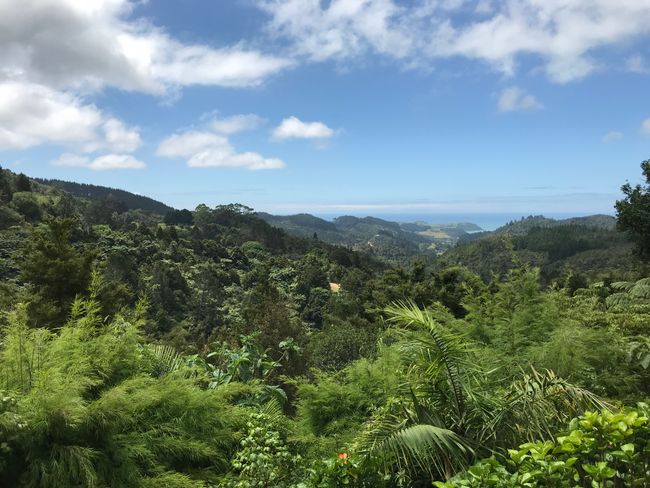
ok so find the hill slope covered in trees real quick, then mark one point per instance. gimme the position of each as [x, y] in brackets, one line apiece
[590, 248]
[393, 242]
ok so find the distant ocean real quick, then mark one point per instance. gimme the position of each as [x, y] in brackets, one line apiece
[483, 220]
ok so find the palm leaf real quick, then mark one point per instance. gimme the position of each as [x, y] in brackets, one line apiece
[535, 404]
[412, 448]
[166, 359]
[438, 347]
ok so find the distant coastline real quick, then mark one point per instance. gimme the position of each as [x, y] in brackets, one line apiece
[487, 221]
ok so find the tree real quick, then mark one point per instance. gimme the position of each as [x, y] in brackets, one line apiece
[179, 217]
[5, 187]
[23, 183]
[27, 205]
[102, 211]
[449, 411]
[56, 270]
[633, 213]
[91, 405]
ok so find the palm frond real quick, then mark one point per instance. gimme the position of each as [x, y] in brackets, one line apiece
[272, 410]
[389, 441]
[534, 405]
[165, 359]
[438, 347]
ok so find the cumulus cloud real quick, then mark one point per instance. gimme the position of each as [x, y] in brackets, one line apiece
[565, 35]
[236, 123]
[207, 149]
[57, 53]
[645, 127]
[514, 99]
[121, 138]
[95, 43]
[294, 128]
[101, 163]
[613, 136]
[32, 114]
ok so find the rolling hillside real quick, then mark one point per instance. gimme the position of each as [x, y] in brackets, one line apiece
[394, 242]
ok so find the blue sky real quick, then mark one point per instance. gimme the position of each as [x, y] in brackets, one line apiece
[332, 107]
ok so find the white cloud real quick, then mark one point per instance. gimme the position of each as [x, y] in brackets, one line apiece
[90, 44]
[613, 136]
[226, 157]
[294, 128]
[341, 29]
[101, 163]
[189, 143]
[68, 159]
[564, 35]
[236, 123]
[56, 53]
[121, 138]
[514, 99]
[207, 149]
[645, 127]
[32, 114]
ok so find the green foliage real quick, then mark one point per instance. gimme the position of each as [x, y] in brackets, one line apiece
[588, 248]
[27, 205]
[333, 368]
[344, 470]
[55, 269]
[633, 212]
[600, 449]
[82, 408]
[448, 410]
[179, 217]
[23, 183]
[264, 459]
[102, 193]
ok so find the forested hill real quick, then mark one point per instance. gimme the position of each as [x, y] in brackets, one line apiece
[95, 192]
[393, 242]
[589, 247]
[600, 221]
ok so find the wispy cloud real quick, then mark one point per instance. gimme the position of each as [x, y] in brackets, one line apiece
[514, 99]
[645, 127]
[101, 163]
[637, 64]
[564, 35]
[236, 123]
[613, 136]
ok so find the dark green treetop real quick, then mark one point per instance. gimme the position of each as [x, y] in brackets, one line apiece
[633, 212]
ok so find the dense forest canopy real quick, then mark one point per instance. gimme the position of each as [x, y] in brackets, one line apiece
[146, 346]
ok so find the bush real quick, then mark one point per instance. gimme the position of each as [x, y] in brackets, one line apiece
[600, 449]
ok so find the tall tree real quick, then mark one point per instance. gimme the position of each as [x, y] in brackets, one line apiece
[633, 213]
[5, 187]
[56, 270]
[23, 183]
